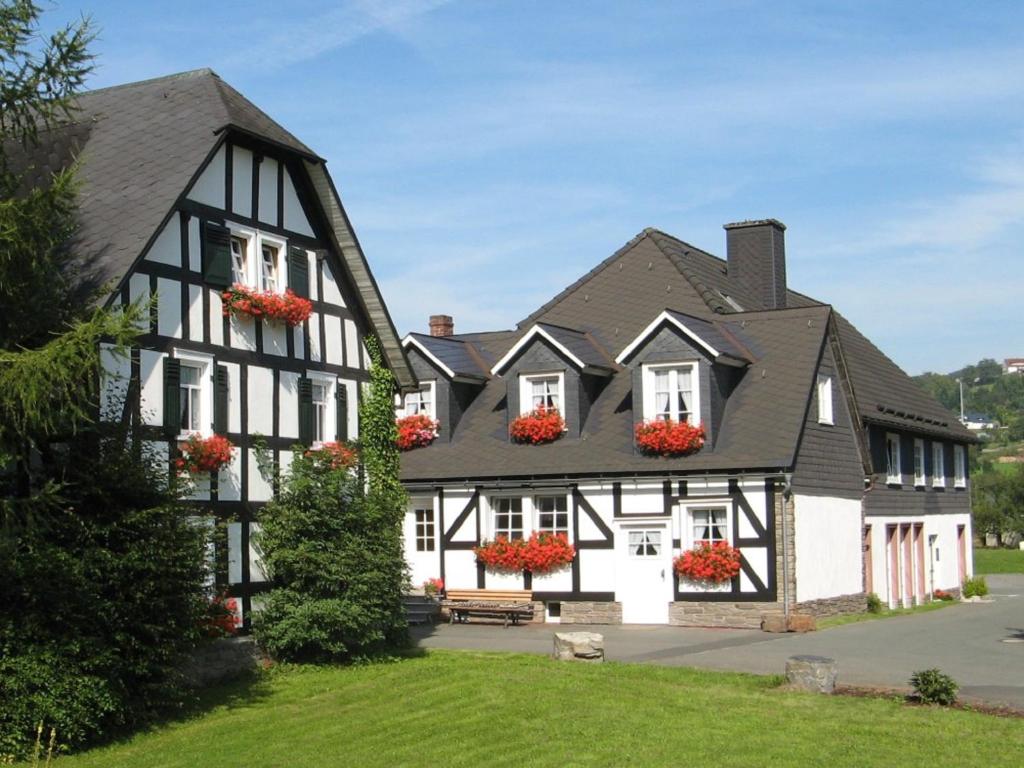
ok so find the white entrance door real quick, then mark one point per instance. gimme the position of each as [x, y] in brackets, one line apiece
[645, 573]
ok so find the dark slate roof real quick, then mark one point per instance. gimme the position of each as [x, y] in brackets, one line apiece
[615, 302]
[140, 146]
[460, 356]
[579, 344]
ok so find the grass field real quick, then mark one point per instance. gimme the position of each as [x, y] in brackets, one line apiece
[998, 561]
[474, 709]
[856, 618]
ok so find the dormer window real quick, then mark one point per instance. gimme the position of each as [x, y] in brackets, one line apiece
[544, 390]
[671, 392]
[422, 400]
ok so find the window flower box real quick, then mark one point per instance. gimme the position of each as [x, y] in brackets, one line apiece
[335, 455]
[712, 563]
[415, 431]
[284, 308]
[541, 553]
[433, 587]
[200, 454]
[539, 426]
[667, 437]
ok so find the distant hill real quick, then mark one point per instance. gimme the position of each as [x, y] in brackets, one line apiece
[987, 390]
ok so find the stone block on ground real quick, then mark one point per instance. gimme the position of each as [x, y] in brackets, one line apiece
[774, 622]
[801, 622]
[579, 646]
[816, 674]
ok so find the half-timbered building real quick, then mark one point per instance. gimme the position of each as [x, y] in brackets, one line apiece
[187, 188]
[823, 463]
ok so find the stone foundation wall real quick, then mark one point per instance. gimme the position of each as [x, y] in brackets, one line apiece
[843, 605]
[713, 614]
[591, 612]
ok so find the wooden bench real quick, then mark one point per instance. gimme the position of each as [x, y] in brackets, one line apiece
[507, 604]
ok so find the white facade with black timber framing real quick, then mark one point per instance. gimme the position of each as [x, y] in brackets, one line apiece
[790, 396]
[254, 206]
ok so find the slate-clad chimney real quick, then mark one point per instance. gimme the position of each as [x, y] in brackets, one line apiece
[441, 325]
[756, 252]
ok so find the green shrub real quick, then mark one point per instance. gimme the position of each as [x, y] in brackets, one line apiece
[934, 687]
[874, 603]
[975, 587]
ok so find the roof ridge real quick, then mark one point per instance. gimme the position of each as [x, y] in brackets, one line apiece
[176, 76]
[707, 294]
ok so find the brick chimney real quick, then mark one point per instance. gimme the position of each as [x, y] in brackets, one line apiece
[441, 325]
[756, 252]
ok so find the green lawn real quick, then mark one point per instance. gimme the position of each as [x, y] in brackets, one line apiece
[855, 618]
[998, 561]
[474, 709]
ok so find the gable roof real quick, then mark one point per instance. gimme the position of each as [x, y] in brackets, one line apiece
[458, 359]
[141, 145]
[577, 346]
[712, 336]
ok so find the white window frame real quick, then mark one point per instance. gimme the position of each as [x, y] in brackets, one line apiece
[429, 542]
[526, 389]
[959, 466]
[663, 541]
[281, 246]
[430, 387]
[205, 363]
[331, 410]
[687, 539]
[919, 471]
[536, 512]
[530, 511]
[938, 464]
[826, 414]
[254, 240]
[650, 404]
[892, 438]
[493, 512]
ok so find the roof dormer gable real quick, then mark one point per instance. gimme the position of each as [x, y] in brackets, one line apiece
[710, 338]
[577, 348]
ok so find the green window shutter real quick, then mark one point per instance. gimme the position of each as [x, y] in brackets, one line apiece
[220, 400]
[172, 396]
[305, 411]
[217, 255]
[341, 397]
[298, 271]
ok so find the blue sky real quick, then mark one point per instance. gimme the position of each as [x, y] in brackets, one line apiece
[490, 152]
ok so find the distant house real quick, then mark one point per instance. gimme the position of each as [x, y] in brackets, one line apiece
[186, 189]
[824, 463]
[1013, 364]
[977, 422]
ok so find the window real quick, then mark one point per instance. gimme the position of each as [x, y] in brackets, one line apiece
[269, 263]
[320, 404]
[892, 458]
[709, 525]
[239, 260]
[959, 467]
[938, 465]
[918, 462]
[645, 543]
[825, 400]
[508, 517]
[671, 392]
[541, 391]
[424, 530]
[552, 514]
[324, 407]
[191, 398]
[421, 401]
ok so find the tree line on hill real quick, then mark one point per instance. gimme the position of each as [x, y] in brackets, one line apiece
[987, 390]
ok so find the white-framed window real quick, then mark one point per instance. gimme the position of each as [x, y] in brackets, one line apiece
[645, 542]
[892, 458]
[422, 400]
[938, 465]
[825, 413]
[239, 259]
[671, 391]
[325, 421]
[257, 259]
[710, 524]
[551, 514]
[507, 517]
[959, 467]
[918, 461]
[542, 390]
[271, 274]
[195, 394]
[425, 529]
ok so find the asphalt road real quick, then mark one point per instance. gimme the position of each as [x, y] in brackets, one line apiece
[980, 644]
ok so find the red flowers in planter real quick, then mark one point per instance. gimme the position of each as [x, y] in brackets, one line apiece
[415, 431]
[337, 455]
[204, 454]
[287, 308]
[221, 619]
[667, 437]
[541, 425]
[541, 553]
[709, 562]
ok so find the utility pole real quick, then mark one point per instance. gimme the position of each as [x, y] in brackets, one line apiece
[961, 383]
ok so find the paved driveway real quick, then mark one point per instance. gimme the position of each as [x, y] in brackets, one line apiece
[980, 645]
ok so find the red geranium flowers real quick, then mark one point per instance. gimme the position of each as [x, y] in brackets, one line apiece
[709, 562]
[667, 437]
[415, 431]
[286, 308]
[541, 425]
[204, 454]
[335, 455]
[541, 553]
